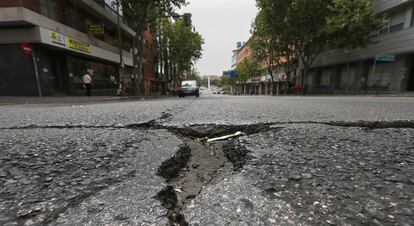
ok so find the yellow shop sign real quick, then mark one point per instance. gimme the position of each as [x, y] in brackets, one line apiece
[78, 45]
[57, 38]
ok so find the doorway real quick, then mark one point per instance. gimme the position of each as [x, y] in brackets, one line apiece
[59, 73]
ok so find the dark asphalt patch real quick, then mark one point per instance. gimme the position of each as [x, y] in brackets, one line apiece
[193, 167]
[172, 167]
[236, 153]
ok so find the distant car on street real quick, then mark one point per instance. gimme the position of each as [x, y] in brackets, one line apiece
[189, 88]
[218, 91]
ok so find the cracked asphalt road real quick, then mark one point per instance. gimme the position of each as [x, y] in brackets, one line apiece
[302, 161]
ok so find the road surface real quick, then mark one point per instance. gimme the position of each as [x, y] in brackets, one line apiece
[299, 161]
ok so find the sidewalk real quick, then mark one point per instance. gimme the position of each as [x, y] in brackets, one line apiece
[66, 100]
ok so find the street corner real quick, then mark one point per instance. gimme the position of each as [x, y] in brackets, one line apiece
[80, 175]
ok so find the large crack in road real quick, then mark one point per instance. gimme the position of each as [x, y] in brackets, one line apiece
[198, 163]
[195, 131]
[195, 166]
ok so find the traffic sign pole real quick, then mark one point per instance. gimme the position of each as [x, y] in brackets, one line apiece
[39, 89]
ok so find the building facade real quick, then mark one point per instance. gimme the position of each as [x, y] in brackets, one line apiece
[261, 84]
[244, 52]
[67, 38]
[386, 66]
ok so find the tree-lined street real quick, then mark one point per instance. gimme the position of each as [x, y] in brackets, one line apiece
[236, 112]
[301, 161]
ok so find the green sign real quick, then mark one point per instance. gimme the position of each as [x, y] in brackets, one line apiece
[385, 58]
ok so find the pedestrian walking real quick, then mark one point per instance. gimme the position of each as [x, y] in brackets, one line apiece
[87, 83]
[297, 89]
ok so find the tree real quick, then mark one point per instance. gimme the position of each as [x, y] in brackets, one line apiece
[313, 26]
[185, 47]
[227, 82]
[268, 47]
[140, 14]
[163, 34]
[179, 47]
[247, 69]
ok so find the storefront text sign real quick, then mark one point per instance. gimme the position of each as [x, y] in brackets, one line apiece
[78, 45]
[96, 29]
[385, 58]
[58, 38]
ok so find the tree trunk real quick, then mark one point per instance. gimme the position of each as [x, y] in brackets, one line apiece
[272, 86]
[277, 89]
[303, 82]
[288, 69]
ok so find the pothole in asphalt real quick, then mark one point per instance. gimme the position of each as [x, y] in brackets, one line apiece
[193, 167]
[198, 164]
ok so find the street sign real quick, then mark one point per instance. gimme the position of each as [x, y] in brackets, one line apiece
[385, 58]
[27, 49]
[96, 29]
[230, 74]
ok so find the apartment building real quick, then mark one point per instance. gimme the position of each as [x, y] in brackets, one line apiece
[46, 46]
[386, 66]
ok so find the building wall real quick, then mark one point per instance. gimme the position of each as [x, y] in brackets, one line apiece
[103, 49]
[244, 52]
[355, 68]
[384, 5]
[30, 4]
[234, 59]
[60, 67]
[399, 42]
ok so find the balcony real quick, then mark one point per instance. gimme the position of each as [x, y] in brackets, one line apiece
[384, 5]
[100, 9]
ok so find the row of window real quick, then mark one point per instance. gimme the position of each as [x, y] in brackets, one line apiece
[395, 23]
[72, 17]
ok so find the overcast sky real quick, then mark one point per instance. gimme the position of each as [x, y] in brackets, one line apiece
[222, 23]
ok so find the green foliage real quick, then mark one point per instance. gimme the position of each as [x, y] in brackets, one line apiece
[311, 26]
[144, 11]
[227, 81]
[248, 68]
[351, 23]
[179, 47]
[185, 45]
[140, 13]
[268, 47]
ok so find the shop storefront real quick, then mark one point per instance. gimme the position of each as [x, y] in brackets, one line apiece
[61, 61]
